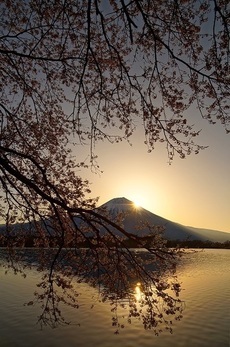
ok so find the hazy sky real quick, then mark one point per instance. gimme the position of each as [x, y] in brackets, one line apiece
[194, 191]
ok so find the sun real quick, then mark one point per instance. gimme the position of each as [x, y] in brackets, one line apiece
[137, 203]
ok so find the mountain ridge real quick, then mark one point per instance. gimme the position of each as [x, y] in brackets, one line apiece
[173, 230]
[133, 216]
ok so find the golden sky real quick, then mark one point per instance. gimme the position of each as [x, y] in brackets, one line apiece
[194, 191]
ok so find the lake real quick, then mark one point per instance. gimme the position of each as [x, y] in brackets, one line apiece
[205, 278]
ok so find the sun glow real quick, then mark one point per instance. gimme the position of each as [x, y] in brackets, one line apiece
[137, 203]
[139, 194]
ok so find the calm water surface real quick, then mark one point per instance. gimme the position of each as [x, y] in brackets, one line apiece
[205, 278]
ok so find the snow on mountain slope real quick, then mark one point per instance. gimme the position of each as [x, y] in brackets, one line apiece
[173, 231]
[134, 216]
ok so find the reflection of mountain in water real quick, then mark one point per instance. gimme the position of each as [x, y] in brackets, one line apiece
[173, 231]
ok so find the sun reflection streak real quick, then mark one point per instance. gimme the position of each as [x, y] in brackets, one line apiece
[138, 293]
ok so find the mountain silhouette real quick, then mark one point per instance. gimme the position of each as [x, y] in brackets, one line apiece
[134, 216]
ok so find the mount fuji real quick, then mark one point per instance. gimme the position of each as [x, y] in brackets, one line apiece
[172, 231]
[133, 216]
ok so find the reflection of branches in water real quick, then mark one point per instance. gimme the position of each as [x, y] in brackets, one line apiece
[154, 302]
[108, 265]
[157, 308]
[54, 291]
[114, 272]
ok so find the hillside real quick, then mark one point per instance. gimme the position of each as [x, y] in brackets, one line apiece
[173, 231]
[132, 217]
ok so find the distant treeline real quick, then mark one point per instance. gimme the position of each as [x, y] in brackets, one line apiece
[198, 244]
[30, 241]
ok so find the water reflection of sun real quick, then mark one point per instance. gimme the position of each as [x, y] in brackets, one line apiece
[138, 292]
